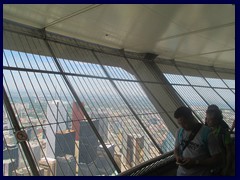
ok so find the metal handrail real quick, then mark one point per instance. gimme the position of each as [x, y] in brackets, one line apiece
[148, 166]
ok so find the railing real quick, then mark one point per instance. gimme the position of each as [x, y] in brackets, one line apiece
[158, 164]
[164, 165]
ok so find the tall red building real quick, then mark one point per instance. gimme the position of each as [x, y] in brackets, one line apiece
[77, 116]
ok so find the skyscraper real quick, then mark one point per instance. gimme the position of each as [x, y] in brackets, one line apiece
[77, 116]
[103, 162]
[49, 166]
[26, 171]
[139, 152]
[103, 124]
[118, 159]
[129, 152]
[57, 117]
[10, 140]
[117, 125]
[89, 169]
[8, 167]
[30, 133]
[133, 149]
[35, 151]
[65, 143]
[88, 142]
[4, 144]
[11, 153]
[66, 165]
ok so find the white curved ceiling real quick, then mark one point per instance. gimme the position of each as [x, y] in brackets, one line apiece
[196, 33]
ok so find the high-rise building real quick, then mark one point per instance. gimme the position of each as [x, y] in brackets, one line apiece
[66, 165]
[88, 142]
[11, 152]
[103, 124]
[65, 143]
[49, 166]
[4, 144]
[29, 132]
[89, 169]
[10, 139]
[118, 160]
[4, 113]
[103, 162]
[77, 116]
[57, 117]
[8, 167]
[133, 149]
[139, 149]
[116, 125]
[129, 150]
[7, 126]
[26, 171]
[35, 151]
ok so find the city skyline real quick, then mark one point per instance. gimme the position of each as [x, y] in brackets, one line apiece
[118, 105]
[50, 135]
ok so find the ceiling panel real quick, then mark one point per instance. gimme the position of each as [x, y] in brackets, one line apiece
[40, 15]
[194, 33]
[220, 59]
[190, 45]
[196, 16]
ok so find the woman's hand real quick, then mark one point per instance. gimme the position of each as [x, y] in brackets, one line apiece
[188, 163]
[179, 159]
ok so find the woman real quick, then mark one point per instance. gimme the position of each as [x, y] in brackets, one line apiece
[214, 119]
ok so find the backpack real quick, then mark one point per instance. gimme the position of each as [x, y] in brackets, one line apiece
[222, 137]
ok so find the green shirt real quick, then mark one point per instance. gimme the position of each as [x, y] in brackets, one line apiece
[223, 136]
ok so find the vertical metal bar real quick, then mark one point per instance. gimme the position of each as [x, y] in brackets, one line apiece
[17, 128]
[158, 74]
[81, 106]
[74, 71]
[87, 72]
[28, 92]
[196, 115]
[153, 67]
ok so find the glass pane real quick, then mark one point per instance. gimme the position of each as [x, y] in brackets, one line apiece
[175, 79]
[196, 81]
[216, 82]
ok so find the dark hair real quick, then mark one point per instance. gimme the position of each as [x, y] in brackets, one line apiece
[183, 112]
[217, 113]
[213, 107]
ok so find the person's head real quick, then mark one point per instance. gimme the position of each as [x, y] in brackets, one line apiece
[213, 107]
[210, 108]
[184, 117]
[213, 117]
